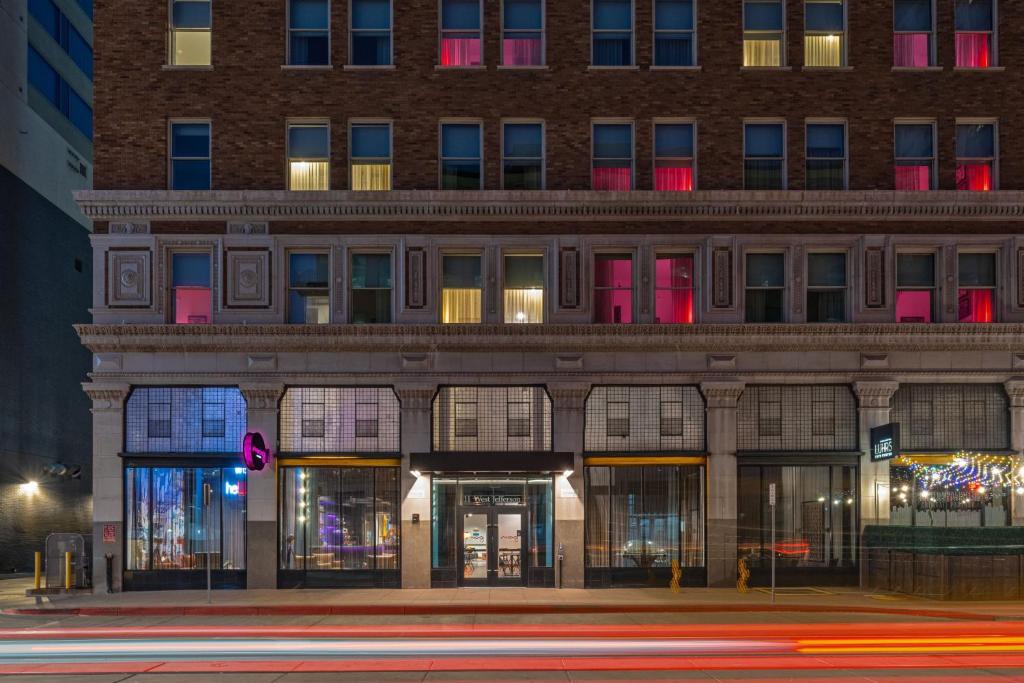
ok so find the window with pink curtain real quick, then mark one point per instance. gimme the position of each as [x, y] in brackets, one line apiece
[914, 150]
[976, 276]
[673, 179]
[460, 52]
[911, 49]
[460, 33]
[192, 305]
[974, 177]
[613, 288]
[673, 157]
[973, 50]
[521, 52]
[913, 26]
[975, 156]
[190, 282]
[914, 306]
[673, 293]
[613, 157]
[974, 25]
[913, 178]
[976, 305]
[915, 288]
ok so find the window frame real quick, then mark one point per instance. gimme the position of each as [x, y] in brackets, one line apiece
[633, 257]
[288, 30]
[325, 251]
[844, 47]
[932, 40]
[516, 252]
[351, 290]
[479, 123]
[632, 39]
[632, 148]
[785, 151]
[684, 121]
[543, 38]
[994, 288]
[171, 307]
[670, 252]
[846, 149]
[845, 289]
[479, 255]
[783, 33]
[935, 289]
[440, 39]
[353, 123]
[171, 38]
[543, 149]
[171, 122]
[934, 166]
[993, 40]
[694, 51]
[310, 123]
[993, 160]
[779, 251]
[352, 31]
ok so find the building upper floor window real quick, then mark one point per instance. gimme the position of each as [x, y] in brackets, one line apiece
[309, 33]
[612, 164]
[522, 39]
[461, 156]
[613, 288]
[915, 155]
[461, 34]
[524, 288]
[826, 156]
[913, 33]
[652, 419]
[45, 80]
[673, 289]
[184, 420]
[797, 417]
[191, 33]
[522, 148]
[492, 419]
[371, 288]
[63, 33]
[826, 288]
[977, 287]
[190, 287]
[674, 43]
[946, 418]
[766, 287]
[764, 156]
[825, 33]
[190, 155]
[764, 33]
[309, 288]
[975, 34]
[916, 295]
[612, 28]
[371, 26]
[309, 156]
[673, 157]
[976, 157]
[371, 156]
[462, 288]
[340, 420]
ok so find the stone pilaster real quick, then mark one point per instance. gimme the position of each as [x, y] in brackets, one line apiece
[108, 402]
[569, 403]
[720, 526]
[262, 401]
[415, 401]
[1015, 392]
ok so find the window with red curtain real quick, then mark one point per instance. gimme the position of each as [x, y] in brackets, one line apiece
[460, 33]
[975, 156]
[613, 288]
[915, 288]
[977, 282]
[913, 26]
[613, 157]
[974, 29]
[190, 273]
[915, 155]
[673, 289]
[522, 40]
[673, 157]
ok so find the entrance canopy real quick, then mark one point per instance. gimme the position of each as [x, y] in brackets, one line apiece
[480, 461]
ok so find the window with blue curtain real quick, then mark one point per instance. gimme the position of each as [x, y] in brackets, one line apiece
[674, 33]
[826, 156]
[461, 167]
[371, 32]
[190, 156]
[764, 155]
[308, 33]
[612, 33]
[523, 163]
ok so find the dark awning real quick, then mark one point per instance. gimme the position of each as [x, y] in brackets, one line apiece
[474, 461]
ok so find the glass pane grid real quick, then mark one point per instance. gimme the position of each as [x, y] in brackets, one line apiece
[185, 420]
[644, 419]
[950, 417]
[492, 419]
[340, 420]
[782, 418]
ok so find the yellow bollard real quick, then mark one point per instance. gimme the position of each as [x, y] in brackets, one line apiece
[677, 574]
[39, 570]
[742, 576]
[67, 570]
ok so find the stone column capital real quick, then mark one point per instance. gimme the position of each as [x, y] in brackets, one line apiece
[722, 394]
[105, 396]
[262, 396]
[1015, 391]
[568, 396]
[875, 394]
[416, 396]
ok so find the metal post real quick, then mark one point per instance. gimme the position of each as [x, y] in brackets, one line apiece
[67, 570]
[39, 570]
[207, 495]
[771, 504]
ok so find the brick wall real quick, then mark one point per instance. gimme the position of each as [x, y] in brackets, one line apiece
[248, 96]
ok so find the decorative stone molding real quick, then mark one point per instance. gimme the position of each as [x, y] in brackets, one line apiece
[247, 278]
[569, 278]
[721, 361]
[722, 394]
[875, 394]
[129, 278]
[874, 361]
[137, 228]
[415, 278]
[874, 277]
[240, 228]
[1020, 278]
[569, 361]
[415, 397]
[253, 207]
[1015, 391]
[568, 396]
[721, 277]
[262, 396]
[798, 281]
[106, 398]
[555, 338]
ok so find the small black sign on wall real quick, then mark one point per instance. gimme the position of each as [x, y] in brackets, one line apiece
[885, 442]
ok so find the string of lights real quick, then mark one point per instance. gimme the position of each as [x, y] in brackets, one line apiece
[967, 476]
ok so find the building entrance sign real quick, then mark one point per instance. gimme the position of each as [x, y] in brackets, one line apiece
[885, 442]
[255, 452]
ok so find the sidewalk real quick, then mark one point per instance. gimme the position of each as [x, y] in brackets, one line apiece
[468, 601]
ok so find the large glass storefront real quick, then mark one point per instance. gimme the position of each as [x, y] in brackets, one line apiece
[339, 527]
[641, 518]
[492, 531]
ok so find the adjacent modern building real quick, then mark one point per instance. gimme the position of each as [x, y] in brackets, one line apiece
[46, 71]
[556, 294]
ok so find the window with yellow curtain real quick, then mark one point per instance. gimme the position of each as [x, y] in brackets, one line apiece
[762, 33]
[371, 156]
[524, 288]
[461, 289]
[190, 33]
[824, 23]
[309, 151]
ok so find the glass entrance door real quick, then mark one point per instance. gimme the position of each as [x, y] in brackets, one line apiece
[492, 547]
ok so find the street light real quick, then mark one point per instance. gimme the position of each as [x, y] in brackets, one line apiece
[29, 488]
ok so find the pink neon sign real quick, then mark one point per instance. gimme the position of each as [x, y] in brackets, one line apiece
[255, 451]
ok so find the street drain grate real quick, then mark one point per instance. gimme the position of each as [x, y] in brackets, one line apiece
[794, 591]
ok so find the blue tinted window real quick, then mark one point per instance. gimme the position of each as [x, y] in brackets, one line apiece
[673, 140]
[43, 77]
[79, 51]
[191, 14]
[371, 270]
[613, 141]
[975, 140]
[371, 14]
[48, 16]
[825, 16]
[613, 15]
[308, 14]
[308, 270]
[191, 270]
[763, 140]
[523, 14]
[914, 141]
[673, 14]
[826, 140]
[190, 140]
[80, 113]
[460, 140]
[762, 16]
[86, 6]
[308, 142]
[460, 14]
[973, 15]
[371, 141]
[913, 15]
[523, 140]
[766, 270]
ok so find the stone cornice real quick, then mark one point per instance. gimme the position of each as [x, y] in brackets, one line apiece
[875, 394]
[722, 394]
[552, 338]
[140, 206]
